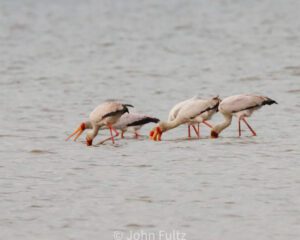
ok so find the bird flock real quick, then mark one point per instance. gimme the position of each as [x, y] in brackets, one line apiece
[192, 112]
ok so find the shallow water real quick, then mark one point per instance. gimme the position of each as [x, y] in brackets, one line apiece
[60, 59]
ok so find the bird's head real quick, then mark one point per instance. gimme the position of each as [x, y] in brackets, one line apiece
[79, 130]
[214, 134]
[215, 131]
[89, 139]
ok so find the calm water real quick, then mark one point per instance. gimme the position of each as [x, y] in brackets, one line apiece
[60, 59]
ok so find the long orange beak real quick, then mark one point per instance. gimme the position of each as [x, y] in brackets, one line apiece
[78, 131]
[155, 134]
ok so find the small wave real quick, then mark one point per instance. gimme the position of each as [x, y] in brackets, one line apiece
[184, 27]
[141, 199]
[40, 151]
[294, 91]
[293, 70]
[135, 225]
[7, 135]
[143, 166]
[254, 78]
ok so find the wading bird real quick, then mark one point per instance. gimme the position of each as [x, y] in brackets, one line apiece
[174, 111]
[133, 120]
[106, 114]
[193, 111]
[241, 106]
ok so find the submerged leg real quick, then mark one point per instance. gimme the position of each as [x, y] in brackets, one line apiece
[196, 131]
[240, 127]
[250, 128]
[136, 134]
[111, 136]
[116, 132]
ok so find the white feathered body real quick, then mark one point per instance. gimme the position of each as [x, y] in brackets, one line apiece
[134, 121]
[174, 111]
[194, 110]
[107, 113]
[242, 105]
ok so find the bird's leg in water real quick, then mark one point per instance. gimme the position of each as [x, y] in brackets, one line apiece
[196, 131]
[122, 134]
[111, 136]
[189, 131]
[116, 132]
[240, 127]
[136, 134]
[250, 128]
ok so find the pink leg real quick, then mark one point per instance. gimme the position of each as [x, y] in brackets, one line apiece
[111, 134]
[199, 128]
[196, 131]
[240, 127]
[136, 134]
[250, 128]
[111, 137]
[122, 134]
[207, 124]
[116, 132]
[189, 131]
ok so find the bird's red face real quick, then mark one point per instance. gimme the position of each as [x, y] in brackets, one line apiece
[78, 131]
[155, 134]
[214, 134]
[89, 142]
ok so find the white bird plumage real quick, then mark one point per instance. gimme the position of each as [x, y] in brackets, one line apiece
[133, 121]
[174, 111]
[106, 114]
[241, 106]
[191, 111]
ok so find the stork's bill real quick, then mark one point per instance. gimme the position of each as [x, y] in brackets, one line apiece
[155, 134]
[78, 131]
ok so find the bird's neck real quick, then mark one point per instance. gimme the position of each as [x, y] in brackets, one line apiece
[94, 131]
[170, 124]
[227, 121]
[88, 125]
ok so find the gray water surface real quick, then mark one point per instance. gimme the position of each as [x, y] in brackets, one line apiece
[59, 59]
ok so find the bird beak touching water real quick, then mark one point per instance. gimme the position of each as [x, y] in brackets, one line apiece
[155, 134]
[214, 134]
[78, 131]
[89, 142]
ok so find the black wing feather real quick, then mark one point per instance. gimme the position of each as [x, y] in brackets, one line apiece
[143, 121]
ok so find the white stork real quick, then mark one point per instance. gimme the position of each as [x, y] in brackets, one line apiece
[191, 112]
[241, 106]
[133, 120]
[174, 111]
[106, 114]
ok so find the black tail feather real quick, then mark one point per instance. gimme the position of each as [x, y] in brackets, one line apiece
[269, 101]
[128, 105]
[125, 107]
[144, 121]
